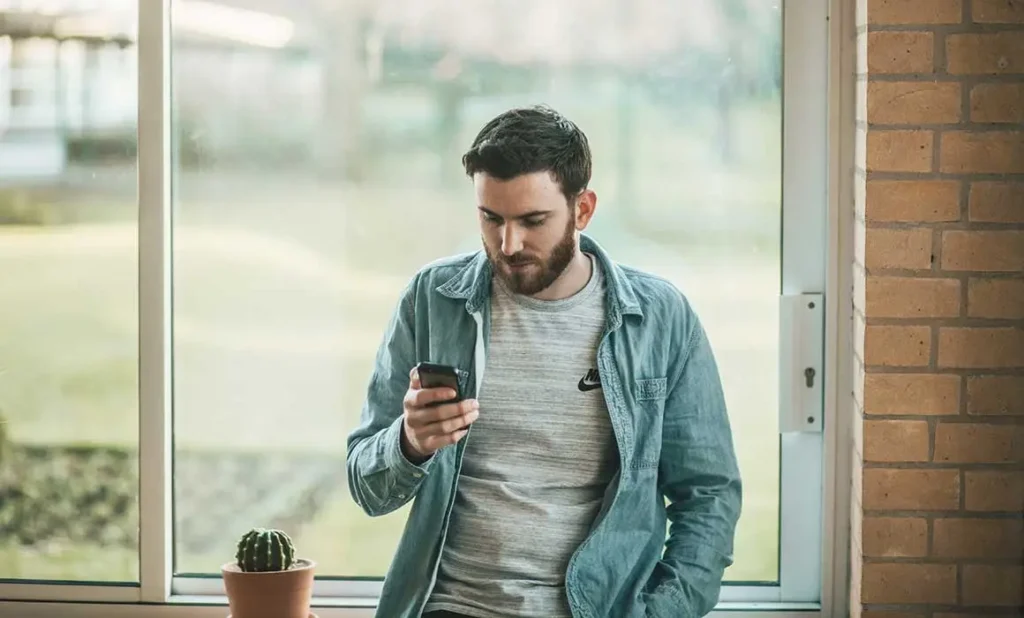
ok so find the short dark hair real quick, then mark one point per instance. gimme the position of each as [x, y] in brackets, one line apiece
[525, 140]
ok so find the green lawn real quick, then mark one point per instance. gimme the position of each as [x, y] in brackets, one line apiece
[69, 563]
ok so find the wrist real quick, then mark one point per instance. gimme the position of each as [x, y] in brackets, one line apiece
[411, 454]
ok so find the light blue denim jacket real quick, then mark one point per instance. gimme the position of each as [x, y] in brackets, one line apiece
[662, 387]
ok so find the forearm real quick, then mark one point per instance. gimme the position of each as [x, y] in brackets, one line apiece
[380, 478]
[688, 579]
[699, 475]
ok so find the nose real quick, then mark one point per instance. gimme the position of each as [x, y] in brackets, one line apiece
[511, 240]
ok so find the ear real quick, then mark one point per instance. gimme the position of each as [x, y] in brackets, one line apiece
[586, 204]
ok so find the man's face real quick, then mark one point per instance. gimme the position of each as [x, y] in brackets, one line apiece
[528, 229]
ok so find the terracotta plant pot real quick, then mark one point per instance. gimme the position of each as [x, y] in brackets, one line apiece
[273, 594]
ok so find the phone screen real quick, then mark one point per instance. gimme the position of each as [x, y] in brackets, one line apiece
[439, 376]
[438, 380]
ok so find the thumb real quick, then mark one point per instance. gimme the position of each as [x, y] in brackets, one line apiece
[414, 379]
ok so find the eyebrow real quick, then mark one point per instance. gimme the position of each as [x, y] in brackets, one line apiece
[533, 213]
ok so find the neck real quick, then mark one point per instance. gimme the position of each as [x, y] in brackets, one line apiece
[573, 279]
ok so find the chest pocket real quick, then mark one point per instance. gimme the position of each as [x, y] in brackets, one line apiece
[649, 396]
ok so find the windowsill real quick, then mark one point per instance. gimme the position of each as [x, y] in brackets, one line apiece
[212, 606]
[195, 599]
[364, 602]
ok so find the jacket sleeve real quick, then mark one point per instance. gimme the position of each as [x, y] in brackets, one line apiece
[699, 475]
[380, 478]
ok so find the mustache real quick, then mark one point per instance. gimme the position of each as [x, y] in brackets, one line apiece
[517, 260]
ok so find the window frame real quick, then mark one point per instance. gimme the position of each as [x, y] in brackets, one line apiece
[817, 77]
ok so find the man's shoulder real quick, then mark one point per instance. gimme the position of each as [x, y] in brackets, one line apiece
[655, 291]
[667, 311]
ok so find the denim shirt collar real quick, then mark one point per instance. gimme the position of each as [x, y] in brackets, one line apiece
[472, 283]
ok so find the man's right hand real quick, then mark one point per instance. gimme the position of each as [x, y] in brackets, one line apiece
[427, 428]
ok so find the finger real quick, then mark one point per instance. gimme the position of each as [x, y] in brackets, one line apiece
[414, 379]
[419, 418]
[427, 396]
[409, 401]
[437, 414]
[436, 442]
[452, 425]
[422, 417]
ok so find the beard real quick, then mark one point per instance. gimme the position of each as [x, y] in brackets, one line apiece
[539, 273]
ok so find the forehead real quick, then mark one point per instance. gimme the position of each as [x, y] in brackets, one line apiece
[528, 192]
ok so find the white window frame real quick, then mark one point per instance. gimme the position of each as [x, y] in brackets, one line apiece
[814, 482]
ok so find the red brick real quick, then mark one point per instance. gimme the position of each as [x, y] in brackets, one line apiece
[996, 298]
[979, 348]
[913, 200]
[903, 393]
[909, 297]
[998, 103]
[914, 12]
[896, 441]
[900, 52]
[997, 202]
[978, 538]
[895, 537]
[912, 490]
[993, 585]
[991, 251]
[897, 346]
[905, 583]
[978, 443]
[985, 54]
[913, 102]
[904, 248]
[995, 395]
[994, 491]
[998, 11]
[899, 151]
[970, 615]
[984, 152]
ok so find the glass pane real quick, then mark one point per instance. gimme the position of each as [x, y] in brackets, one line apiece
[318, 167]
[68, 301]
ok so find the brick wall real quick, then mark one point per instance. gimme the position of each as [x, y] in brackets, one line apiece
[938, 490]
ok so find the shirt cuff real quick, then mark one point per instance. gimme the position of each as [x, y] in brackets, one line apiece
[406, 473]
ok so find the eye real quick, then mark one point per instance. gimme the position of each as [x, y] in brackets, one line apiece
[491, 218]
[534, 222]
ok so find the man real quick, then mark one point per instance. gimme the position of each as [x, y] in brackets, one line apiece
[592, 396]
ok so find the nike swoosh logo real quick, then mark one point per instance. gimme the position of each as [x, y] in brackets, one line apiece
[586, 385]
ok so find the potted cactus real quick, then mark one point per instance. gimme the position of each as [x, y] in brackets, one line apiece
[266, 580]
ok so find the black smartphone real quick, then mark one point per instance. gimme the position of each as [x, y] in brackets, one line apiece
[433, 375]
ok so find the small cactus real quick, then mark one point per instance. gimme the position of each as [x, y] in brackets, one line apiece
[261, 550]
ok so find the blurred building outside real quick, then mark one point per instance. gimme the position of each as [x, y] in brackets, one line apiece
[349, 83]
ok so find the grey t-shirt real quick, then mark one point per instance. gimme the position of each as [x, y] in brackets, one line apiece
[537, 460]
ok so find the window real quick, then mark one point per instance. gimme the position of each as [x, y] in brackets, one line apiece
[69, 405]
[297, 163]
